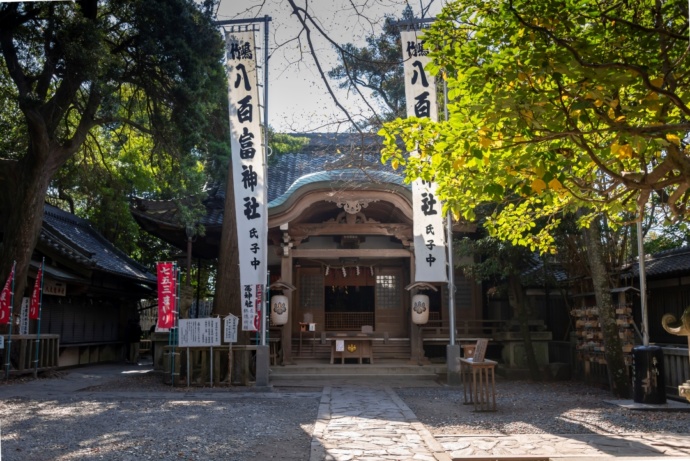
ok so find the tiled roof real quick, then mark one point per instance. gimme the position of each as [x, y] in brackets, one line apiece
[77, 240]
[665, 263]
[352, 175]
[335, 158]
[537, 272]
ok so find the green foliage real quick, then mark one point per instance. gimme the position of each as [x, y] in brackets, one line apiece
[283, 143]
[111, 99]
[555, 107]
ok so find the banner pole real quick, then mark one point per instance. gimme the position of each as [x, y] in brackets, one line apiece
[38, 328]
[173, 330]
[9, 333]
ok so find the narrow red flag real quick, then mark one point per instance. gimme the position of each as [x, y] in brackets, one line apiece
[166, 295]
[35, 306]
[6, 299]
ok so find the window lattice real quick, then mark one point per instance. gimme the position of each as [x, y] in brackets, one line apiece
[311, 292]
[388, 292]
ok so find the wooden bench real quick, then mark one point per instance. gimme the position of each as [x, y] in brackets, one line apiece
[478, 380]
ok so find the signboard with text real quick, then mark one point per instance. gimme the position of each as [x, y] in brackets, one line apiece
[199, 332]
[230, 330]
[24, 317]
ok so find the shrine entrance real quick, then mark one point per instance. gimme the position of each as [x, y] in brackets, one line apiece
[349, 307]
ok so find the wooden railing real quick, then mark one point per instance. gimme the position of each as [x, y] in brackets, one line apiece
[435, 330]
[23, 353]
[348, 321]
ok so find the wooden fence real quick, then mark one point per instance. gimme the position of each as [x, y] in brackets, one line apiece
[676, 366]
[23, 353]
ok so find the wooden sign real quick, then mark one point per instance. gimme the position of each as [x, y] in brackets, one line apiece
[480, 351]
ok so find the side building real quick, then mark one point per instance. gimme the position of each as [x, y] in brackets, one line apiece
[91, 291]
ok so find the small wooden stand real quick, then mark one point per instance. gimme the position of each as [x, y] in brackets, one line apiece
[480, 390]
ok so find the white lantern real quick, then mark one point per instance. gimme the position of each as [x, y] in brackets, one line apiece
[420, 309]
[279, 310]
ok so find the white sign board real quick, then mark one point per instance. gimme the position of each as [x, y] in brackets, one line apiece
[231, 323]
[24, 317]
[199, 332]
[55, 288]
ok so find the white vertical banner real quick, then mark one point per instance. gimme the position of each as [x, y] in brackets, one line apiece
[24, 317]
[428, 228]
[248, 172]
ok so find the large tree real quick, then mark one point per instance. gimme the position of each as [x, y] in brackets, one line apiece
[376, 68]
[558, 106]
[590, 113]
[70, 68]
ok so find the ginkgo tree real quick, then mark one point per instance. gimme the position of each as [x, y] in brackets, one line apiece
[555, 107]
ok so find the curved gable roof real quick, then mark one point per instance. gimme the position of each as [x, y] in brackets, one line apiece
[292, 171]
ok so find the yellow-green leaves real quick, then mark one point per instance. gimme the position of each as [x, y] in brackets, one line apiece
[624, 151]
[538, 185]
[550, 127]
[673, 139]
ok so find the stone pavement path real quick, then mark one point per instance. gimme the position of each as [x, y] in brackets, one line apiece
[558, 447]
[356, 423]
[371, 423]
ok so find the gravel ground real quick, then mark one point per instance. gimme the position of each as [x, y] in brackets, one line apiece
[241, 427]
[538, 408]
[234, 424]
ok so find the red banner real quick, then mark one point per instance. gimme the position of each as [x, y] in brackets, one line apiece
[167, 288]
[35, 306]
[259, 311]
[6, 299]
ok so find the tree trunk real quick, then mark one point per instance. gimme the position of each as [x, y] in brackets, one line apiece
[617, 370]
[228, 299]
[517, 301]
[26, 183]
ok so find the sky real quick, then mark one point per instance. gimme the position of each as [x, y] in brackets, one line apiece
[298, 100]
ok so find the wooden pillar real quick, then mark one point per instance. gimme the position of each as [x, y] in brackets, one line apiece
[286, 330]
[416, 346]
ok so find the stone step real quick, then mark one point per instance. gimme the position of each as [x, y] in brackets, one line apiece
[314, 368]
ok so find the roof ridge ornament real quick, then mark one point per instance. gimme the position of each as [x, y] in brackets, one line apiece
[353, 206]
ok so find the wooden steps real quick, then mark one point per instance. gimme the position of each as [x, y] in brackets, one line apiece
[385, 349]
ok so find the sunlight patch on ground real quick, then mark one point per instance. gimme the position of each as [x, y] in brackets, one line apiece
[136, 372]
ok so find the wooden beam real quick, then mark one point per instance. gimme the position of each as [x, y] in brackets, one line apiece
[338, 253]
[402, 232]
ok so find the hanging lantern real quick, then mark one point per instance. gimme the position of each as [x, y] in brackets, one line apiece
[420, 309]
[279, 310]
